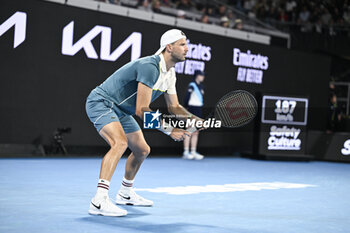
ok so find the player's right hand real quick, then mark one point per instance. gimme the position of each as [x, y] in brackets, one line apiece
[179, 134]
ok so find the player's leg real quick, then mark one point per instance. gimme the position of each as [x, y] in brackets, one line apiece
[114, 135]
[104, 118]
[101, 205]
[140, 151]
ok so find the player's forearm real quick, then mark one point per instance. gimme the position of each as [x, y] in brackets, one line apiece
[141, 110]
[143, 99]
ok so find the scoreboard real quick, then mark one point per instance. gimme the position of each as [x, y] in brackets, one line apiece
[282, 129]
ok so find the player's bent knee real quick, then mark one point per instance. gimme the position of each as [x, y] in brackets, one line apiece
[143, 152]
[146, 151]
[119, 145]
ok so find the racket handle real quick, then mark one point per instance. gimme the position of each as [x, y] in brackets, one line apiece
[192, 129]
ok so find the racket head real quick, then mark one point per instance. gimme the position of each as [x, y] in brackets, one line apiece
[236, 108]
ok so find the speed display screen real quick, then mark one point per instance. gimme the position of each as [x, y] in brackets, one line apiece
[283, 125]
[284, 110]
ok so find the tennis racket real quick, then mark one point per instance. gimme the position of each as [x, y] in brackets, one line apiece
[235, 109]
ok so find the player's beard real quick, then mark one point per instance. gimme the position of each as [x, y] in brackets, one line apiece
[178, 58]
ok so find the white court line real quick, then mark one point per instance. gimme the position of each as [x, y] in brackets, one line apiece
[183, 190]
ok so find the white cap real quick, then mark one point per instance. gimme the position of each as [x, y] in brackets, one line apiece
[169, 37]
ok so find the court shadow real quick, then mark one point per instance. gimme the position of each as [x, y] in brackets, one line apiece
[135, 212]
[136, 226]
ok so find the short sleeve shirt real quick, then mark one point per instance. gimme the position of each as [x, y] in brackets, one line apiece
[121, 86]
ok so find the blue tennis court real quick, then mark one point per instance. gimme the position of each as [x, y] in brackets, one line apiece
[213, 195]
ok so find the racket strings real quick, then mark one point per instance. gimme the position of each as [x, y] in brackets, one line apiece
[236, 109]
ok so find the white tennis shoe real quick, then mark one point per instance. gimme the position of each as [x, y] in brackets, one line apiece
[197, 156]
[187, 155]
[131, 198]
[104, 206]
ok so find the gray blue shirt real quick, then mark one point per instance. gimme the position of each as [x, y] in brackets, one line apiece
[121, 86]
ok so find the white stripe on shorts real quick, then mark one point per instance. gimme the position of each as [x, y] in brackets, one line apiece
[109, 111]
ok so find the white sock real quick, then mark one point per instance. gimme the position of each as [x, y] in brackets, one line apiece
[102, 188]
[126, 185]
[193, 150]
[186, 150]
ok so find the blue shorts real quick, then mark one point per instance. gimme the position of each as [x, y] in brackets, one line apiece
[102, 112]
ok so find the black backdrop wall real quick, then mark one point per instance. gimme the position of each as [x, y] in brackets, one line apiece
[42, 88]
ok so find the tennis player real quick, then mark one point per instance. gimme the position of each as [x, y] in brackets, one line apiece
[110, 106]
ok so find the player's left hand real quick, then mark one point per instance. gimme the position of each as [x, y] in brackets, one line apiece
[179, 134]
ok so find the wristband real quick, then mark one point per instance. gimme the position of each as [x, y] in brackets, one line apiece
[166, 128]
